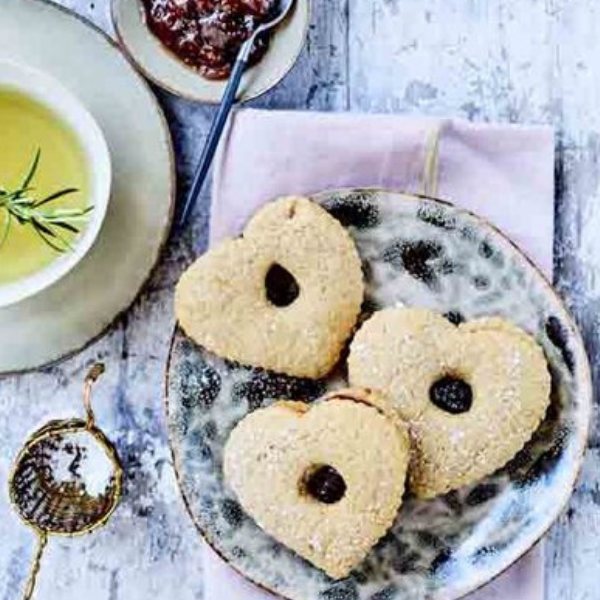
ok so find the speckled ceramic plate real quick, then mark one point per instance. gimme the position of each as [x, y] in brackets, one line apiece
[166, 70]
[82, 305]
[419, 252]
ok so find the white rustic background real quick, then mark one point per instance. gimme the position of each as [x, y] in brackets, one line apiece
[531, 61]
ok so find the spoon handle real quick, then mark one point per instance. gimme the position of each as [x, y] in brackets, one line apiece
[216, 130]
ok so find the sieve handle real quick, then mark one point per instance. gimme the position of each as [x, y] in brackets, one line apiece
[91, 378]
[35, 565]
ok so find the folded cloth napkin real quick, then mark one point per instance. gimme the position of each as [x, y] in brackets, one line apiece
[504, 173]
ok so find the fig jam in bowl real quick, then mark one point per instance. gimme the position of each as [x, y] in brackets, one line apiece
[208, 34]
[189, 46]
[55, 179]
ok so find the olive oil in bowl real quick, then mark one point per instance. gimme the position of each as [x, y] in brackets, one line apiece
[27, 126]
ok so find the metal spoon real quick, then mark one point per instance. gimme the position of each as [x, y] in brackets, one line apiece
[281, 10]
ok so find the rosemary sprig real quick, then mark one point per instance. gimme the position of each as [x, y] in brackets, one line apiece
[50, 224]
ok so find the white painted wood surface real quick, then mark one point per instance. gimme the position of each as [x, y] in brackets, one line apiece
[532, 61]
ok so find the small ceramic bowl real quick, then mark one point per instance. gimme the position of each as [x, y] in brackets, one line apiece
[53, 95]
[166, 70]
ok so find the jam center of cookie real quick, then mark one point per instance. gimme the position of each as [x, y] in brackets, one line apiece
[451, 394]
[325, 484]
[282, 287]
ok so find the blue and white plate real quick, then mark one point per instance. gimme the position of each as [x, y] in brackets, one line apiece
[418, 252]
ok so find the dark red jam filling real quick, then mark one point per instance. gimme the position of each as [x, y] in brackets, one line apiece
[281, 286]
[452, 395]
[208, 34]
[325, 484]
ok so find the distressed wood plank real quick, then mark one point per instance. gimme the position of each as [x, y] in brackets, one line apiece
[573, 550]
[319, 79]
[454, 58]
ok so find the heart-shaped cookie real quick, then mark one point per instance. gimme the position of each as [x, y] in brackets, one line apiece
[284, 297]
[325, 480]
[472, 394]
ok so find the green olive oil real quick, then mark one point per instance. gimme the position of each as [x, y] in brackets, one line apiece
[26, 126]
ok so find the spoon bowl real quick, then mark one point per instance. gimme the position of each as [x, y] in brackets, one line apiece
[279, 13]
[281, 9]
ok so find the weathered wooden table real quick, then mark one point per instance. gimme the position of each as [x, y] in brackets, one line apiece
[531, 61]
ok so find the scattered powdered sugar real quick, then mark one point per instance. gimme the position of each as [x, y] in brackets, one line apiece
[79, 458]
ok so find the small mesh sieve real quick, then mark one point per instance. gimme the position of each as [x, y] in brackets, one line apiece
[67, 480]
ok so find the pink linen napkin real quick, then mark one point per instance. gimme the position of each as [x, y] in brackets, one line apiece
[502, 172]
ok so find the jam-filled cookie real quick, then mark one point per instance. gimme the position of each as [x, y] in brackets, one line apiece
[472, 394]
[285, 296]
[325, 480]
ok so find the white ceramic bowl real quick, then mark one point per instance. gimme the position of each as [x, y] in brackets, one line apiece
[69, 109]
